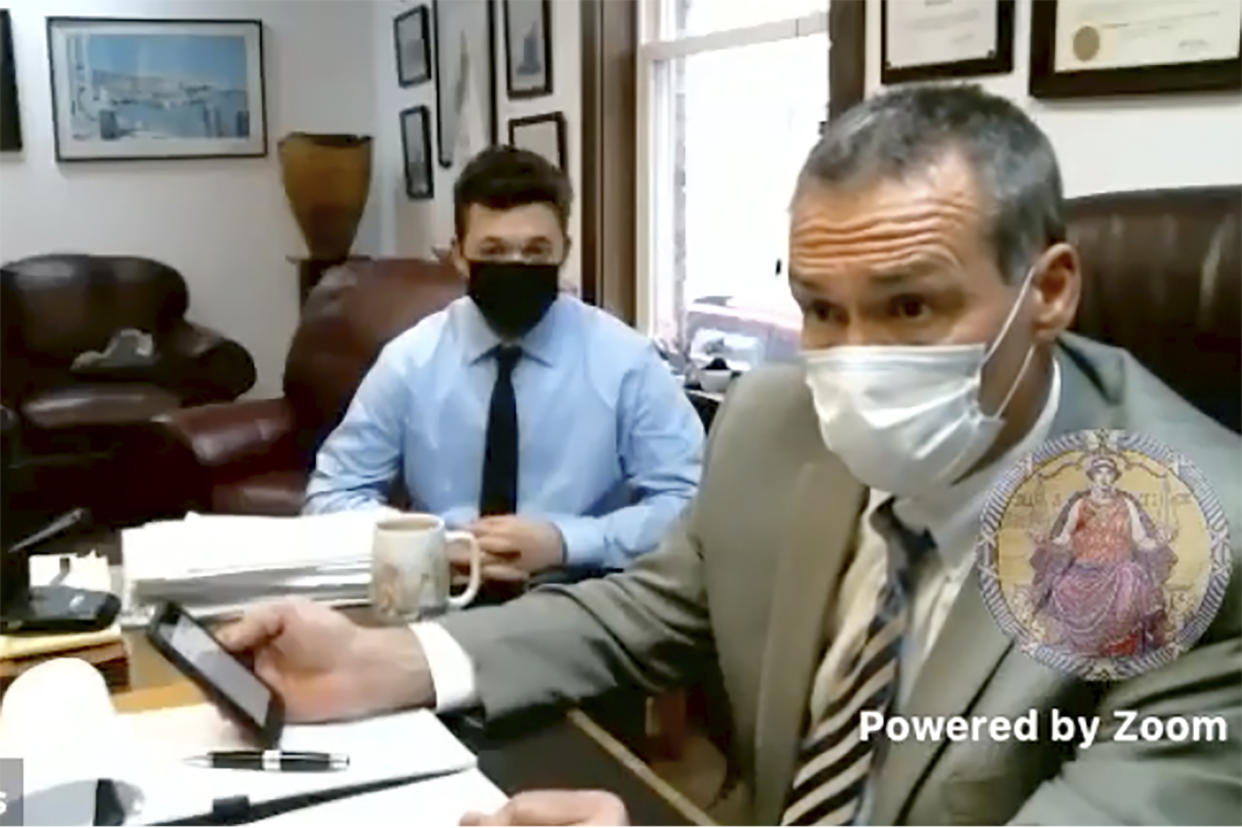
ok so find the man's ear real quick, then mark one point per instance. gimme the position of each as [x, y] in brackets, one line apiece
[1056, 289]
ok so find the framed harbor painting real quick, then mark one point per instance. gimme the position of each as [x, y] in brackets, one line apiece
[143, 89]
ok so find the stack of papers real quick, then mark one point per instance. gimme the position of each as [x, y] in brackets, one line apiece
[216, 564]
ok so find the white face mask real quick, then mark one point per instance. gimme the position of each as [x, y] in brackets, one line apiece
[905, 419]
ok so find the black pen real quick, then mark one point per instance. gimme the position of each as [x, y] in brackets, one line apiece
[271, 760]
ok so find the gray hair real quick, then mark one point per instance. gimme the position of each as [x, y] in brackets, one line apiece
[907, 128]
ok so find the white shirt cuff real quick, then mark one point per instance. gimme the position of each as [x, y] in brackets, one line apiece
[452, 671]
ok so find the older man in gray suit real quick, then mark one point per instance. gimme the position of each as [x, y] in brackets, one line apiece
[824, 565]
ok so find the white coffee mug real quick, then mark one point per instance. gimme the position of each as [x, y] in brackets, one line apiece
[410, 567]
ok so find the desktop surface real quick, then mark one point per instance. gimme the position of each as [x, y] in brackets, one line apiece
[543, 749]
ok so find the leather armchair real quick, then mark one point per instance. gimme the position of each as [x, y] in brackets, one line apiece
[58, 306]
[254, 457]
[1162, 278]
[81, 431]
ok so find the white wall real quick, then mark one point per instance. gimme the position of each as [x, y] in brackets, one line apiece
[1121, 143]
[414, 228]
[224, 223]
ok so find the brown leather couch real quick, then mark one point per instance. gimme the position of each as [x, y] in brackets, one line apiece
[1162, 277]
[73, 427]
[254, 457]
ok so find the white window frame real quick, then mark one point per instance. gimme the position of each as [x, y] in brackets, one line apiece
[651, 50]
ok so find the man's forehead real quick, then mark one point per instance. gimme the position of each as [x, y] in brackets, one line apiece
[887, 224]
[522, 221]
[946, 184]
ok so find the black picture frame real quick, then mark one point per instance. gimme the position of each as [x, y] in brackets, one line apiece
[1046, 82]
[444, 153]
[557, 119]
[511, 80]
[999, 63]
[10, 115]
[261, 88]
[406, 76]
[423, 136]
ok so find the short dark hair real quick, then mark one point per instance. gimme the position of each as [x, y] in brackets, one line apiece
[505, 177]
[907, 128]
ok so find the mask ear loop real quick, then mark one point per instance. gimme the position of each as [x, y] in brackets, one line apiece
[1005, 328]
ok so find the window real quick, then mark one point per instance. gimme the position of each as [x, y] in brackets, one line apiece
[731, 98]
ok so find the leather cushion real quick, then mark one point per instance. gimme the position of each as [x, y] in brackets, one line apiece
[1162, 278]
[88, 404]
[278, 493]
[60, 305]
[349, 316]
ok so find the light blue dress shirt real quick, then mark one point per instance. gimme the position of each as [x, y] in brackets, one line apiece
[609, 446]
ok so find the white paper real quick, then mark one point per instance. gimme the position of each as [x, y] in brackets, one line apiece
[59, 720]
[85, 572]
[1111, 34]
[435, 802]
[214, 564]
[203, 545]
[379, 748]
[930, 32]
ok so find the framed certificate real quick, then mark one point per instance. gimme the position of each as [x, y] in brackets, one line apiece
[1134, 47]
[927, 39]
[544, 134]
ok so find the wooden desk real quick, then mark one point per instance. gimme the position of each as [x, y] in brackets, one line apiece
[543, 750]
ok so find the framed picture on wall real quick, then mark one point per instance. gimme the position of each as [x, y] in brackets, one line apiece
[143, 89]
[416, 153]
[528, 47]
[10, 119]
[946, 39]
[412, 38]
[465, 36]
[1082, 49]
[544, 134]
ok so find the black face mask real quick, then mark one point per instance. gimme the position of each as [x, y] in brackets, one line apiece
[512, 296]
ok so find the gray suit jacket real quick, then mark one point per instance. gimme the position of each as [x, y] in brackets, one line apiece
[748, 575]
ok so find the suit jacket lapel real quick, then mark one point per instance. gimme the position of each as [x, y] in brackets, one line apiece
[970, 646]
[967, 651]
[826, 508]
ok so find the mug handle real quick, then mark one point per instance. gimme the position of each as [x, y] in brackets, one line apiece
[476, 566]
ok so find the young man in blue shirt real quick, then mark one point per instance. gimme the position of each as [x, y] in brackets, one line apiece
[546, 427]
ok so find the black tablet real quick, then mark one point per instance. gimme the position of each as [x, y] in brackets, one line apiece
[218, 673]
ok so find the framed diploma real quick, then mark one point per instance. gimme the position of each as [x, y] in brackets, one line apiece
[927, 39]
[1134, 47]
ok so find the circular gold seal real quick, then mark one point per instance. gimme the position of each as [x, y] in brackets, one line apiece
[1104, 554]
[1086, 43]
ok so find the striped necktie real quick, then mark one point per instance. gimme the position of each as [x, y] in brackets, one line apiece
[834, 763]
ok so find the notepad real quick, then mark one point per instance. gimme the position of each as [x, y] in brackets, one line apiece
[394, 746]
[61, 723]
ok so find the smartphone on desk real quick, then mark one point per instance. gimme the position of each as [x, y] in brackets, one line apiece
[233, 686]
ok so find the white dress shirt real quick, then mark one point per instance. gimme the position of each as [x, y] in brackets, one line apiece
[950, 514]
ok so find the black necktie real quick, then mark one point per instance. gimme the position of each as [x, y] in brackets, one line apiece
[500, 452]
